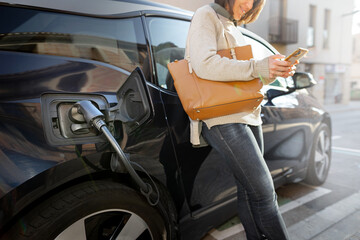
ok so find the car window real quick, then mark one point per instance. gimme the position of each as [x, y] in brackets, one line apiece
[260, 51]
[120, 42]
[168, 40]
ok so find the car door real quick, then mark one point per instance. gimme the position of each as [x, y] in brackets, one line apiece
[284, 121]
[206, 179]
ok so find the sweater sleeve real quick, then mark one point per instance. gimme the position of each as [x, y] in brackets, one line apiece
[205, 61]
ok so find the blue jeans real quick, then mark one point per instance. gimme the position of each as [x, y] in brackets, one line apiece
[242, 148]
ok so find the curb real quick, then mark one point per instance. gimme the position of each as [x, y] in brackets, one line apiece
[342, 109]
[352, 106]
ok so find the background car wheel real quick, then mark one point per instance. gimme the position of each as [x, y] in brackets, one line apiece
[92, 210]
[320, 159]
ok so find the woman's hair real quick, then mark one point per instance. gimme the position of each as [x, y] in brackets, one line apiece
[248, 17]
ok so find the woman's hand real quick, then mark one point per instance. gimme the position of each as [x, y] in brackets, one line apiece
[279, 68]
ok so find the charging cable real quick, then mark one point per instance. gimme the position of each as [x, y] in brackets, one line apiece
[94, 117]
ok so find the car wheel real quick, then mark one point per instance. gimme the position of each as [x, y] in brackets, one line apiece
[92, 210]
[319, 163]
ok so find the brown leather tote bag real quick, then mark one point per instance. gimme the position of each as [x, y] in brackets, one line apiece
[203, 99]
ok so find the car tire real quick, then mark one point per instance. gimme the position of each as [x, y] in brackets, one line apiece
[92, 210]
[319, 162]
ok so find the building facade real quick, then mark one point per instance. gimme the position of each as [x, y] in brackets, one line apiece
[322, 26]
[355, 68]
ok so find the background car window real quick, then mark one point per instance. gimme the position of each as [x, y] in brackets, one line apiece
[120, 42]
[168, 39]
[260, 52]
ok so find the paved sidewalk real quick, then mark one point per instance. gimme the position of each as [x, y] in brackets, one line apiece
[352, 105]
[356, 236]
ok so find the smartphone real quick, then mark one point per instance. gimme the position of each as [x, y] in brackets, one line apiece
[296, 55]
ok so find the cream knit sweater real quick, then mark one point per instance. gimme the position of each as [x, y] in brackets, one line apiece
[205, 38]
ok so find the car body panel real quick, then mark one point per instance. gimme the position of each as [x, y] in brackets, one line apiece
[26, 157]
[98, 8]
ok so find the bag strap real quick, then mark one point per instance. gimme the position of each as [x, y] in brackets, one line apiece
[187, 54]
[232, 49]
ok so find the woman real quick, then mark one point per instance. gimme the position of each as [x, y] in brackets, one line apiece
[237, 137]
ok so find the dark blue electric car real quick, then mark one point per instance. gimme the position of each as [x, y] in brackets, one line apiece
[94, 143]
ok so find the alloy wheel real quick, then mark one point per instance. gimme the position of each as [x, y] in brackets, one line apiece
[322, 155]
[108, 224]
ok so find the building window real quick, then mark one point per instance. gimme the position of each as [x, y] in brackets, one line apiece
[354, 46]
[356, 49]
[326, 32]
[311, 28]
